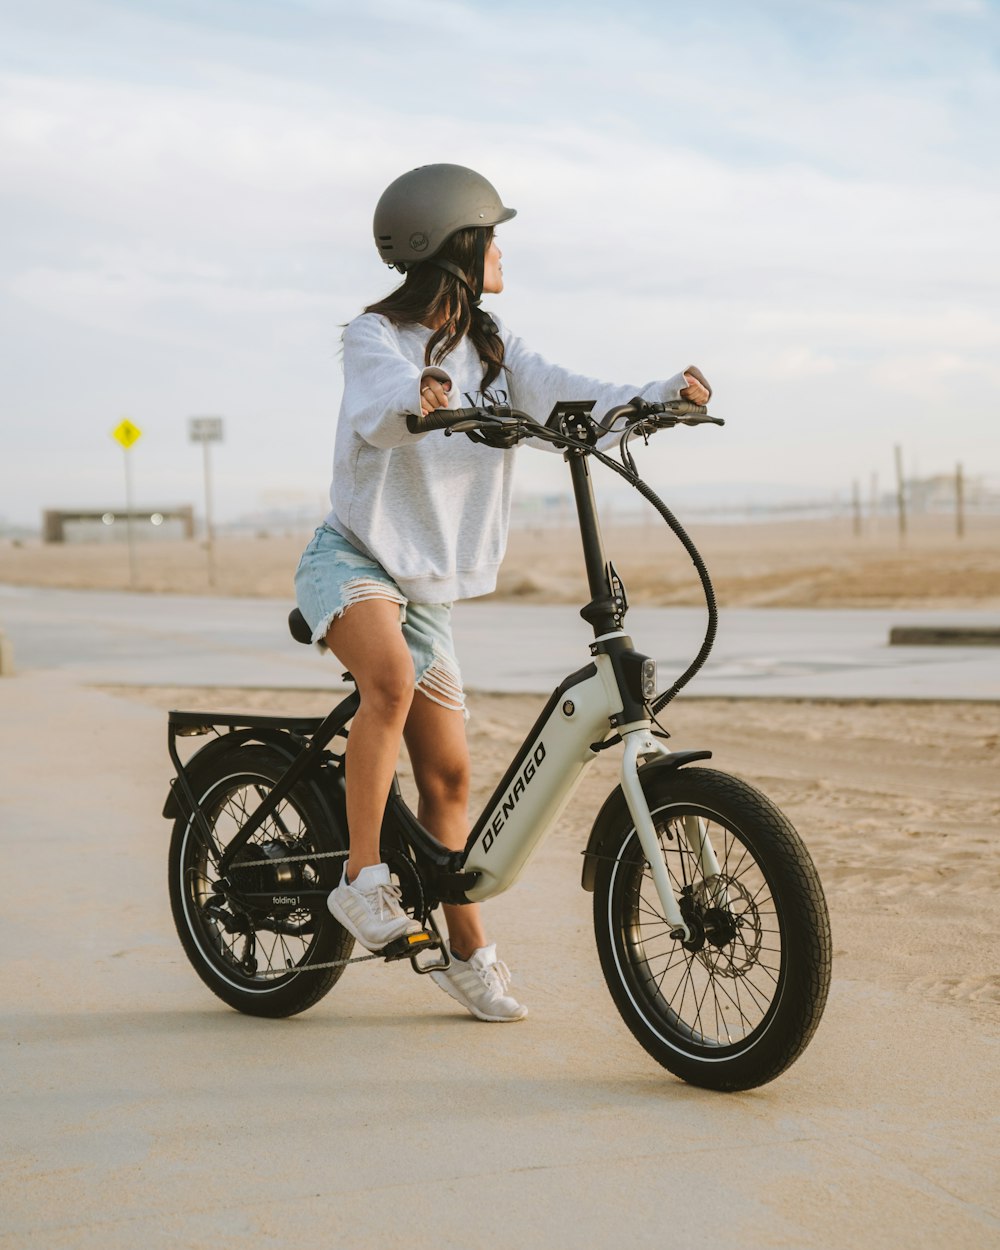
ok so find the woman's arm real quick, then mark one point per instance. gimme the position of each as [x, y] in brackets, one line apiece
[382, 384]
[536, 385]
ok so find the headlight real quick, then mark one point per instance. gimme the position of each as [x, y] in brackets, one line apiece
[648, 679]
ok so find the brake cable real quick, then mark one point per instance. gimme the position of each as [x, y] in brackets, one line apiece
[631, 475]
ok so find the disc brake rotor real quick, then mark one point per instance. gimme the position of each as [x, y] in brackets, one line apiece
[731, 924]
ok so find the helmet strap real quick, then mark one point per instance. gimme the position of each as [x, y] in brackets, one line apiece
[475, 288]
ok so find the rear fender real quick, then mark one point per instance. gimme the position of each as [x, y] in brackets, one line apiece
[327, 781]
[615, 810]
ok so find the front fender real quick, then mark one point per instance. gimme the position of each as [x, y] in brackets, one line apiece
[615, 809]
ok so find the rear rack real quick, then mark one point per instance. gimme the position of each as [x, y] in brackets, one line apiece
[191, 724]
[313, 735]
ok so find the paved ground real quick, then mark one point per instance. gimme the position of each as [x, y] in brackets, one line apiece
[176, 640]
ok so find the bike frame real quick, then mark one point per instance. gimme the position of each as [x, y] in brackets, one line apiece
[570, 733]
[607, 696]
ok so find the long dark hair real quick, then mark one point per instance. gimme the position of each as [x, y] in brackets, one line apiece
[428, 293]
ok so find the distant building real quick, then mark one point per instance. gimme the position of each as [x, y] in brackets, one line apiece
[109, 525]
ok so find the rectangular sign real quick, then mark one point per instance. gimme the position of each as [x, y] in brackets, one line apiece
[205, 429]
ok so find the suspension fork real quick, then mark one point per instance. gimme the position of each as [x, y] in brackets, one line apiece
[639, 743]
[696, 835]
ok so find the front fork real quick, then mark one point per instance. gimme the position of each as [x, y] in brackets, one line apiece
[640, 743]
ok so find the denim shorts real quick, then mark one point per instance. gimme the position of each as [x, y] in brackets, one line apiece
[333, 576]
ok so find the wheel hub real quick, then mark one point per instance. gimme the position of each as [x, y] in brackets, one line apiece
[721, 926]
[249, 875]
[692, 912]
[731, 934]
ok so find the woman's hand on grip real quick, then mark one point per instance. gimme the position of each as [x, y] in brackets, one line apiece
[697, 390]
[433, 395]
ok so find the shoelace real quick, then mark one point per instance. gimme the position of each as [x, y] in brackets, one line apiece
[496, 975]
[385, 901]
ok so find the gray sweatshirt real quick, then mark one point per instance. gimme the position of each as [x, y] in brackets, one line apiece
[434, 511]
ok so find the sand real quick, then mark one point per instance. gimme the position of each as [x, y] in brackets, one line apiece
[773, 564]
[898, 803]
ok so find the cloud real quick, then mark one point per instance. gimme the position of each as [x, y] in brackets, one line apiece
[779, 192]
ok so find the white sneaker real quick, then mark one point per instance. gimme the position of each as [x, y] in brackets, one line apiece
[480, 984]
[369, 908]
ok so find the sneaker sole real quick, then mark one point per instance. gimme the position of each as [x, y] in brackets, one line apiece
[439, 978]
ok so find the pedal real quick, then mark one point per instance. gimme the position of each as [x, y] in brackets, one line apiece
[409, 945]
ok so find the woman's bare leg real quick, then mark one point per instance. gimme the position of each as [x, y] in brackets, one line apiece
[439, 752]
[368, 641]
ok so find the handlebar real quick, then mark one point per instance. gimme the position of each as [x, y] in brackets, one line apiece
[571, 427]
[639, 413]
[467, 418]
[673, 410]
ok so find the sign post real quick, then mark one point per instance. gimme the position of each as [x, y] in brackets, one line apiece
[207, 430]
[127, 435]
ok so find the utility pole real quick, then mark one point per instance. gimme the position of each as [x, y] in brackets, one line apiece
[900, 494]
[127, 435]
[873, 503]
[207, 430]
[959, 502]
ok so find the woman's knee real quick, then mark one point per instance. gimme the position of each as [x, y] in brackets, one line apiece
[387, 688]
[445, 782]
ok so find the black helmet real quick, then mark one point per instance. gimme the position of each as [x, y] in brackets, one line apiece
[419, 212]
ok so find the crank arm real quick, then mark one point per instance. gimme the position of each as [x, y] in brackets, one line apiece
[639, 743]
[409, 946]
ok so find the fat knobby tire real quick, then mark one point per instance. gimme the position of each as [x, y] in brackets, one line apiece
[735, 1012]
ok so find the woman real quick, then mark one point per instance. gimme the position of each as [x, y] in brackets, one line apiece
[418, 521]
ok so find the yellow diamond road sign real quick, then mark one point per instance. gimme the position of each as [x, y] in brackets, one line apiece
[126, 433]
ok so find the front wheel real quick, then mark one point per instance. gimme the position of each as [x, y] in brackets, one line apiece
[732, 1007]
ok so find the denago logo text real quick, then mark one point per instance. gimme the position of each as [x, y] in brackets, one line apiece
[513, 796]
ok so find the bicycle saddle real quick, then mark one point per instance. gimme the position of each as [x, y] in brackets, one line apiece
[298, 627]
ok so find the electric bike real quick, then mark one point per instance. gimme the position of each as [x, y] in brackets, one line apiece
[710, 921]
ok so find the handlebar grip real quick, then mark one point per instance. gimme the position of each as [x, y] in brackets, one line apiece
[638, 409]
[439, 419]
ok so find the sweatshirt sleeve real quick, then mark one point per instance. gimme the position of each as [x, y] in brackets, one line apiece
[536, 386]
[381, 384]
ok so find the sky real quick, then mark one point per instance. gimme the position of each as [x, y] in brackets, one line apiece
[800, 197]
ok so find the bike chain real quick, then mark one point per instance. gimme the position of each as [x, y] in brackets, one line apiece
[293, 859]
[336, 963]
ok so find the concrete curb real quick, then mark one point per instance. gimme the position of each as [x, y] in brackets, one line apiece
[944, 636]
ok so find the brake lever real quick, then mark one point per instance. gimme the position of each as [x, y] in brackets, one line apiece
[463, 427]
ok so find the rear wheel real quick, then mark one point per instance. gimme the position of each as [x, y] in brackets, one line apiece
[256, 937]
[732, 1007]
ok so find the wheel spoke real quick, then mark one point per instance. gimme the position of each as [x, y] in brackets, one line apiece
[716, 994]
[277, 954]
[724, 1007]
